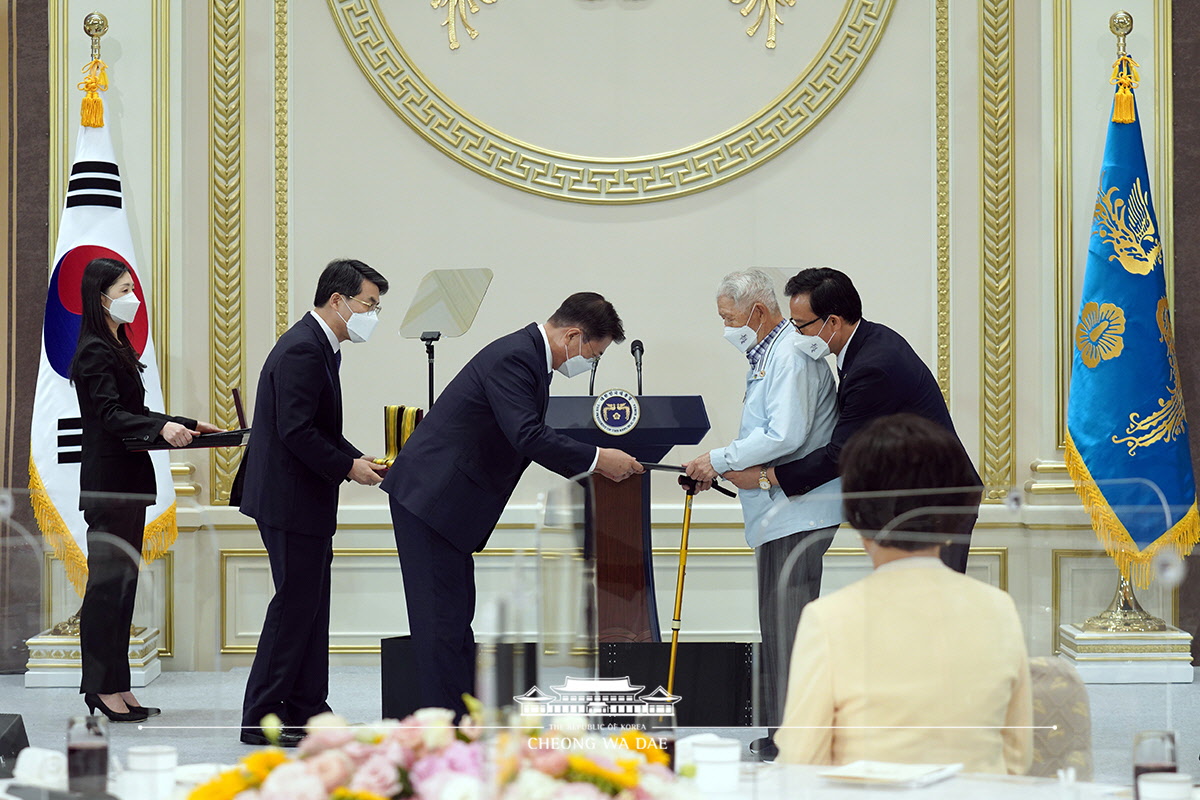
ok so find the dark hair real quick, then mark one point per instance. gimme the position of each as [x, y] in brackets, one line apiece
[345, 276]
[893, 456]
[829, 292]
[592, 314]
[98, 277]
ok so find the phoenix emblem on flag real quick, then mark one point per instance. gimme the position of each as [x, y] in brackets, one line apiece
[1167, 423]
[1128, 225]
[1098, 336]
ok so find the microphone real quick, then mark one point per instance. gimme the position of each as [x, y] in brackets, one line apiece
[592, 380]
[637, 348]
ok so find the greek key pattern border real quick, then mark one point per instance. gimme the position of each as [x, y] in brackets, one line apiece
[584, 179]
[998, 462]
[225, 227]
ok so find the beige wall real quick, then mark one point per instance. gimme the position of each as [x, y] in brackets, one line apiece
[271, 168]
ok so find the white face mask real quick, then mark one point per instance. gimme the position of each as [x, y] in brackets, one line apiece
[360, 324]
[814, 346]
[576, 365]
[124, 308]
[743, 338]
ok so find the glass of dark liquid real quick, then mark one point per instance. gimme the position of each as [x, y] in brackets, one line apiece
[87, 755]
[1153, 751]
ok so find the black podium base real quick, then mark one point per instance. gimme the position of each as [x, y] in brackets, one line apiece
[713, 679]
[516, 666]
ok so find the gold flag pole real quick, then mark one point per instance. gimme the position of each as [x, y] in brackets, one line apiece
[689, 486]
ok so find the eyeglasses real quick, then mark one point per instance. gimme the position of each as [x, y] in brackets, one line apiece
[376, 307]
[800, 326]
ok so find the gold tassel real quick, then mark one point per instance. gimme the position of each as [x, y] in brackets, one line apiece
[159, 535]
[1125, 77]
[55, 530]
[1134, 564]
[96, 81]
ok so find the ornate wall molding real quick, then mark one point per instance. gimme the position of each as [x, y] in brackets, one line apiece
[585, 179]
[225, 227]
[160, 189]
[281, 167]
[942, 209]
[998, 462]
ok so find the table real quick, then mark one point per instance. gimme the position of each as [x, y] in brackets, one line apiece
[771, 781]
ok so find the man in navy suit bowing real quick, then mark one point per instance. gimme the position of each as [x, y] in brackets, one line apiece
[294, 466]
[451, 481]
[879, 373]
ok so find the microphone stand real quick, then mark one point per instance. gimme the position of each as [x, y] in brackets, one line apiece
[592, 380]
[429, 337]
[639, 374]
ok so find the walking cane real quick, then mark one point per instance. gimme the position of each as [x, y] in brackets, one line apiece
[689, 486]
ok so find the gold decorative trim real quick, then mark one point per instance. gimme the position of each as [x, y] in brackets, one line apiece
[1057, 559]
[1164, 155]
[1064, 214]
[168, 622]
[1144, 649]
[942, 210]
[160, 188]
[1049, 487]
[225, 228]
[281, 167]
[587, 179]
[998, 462]
[181, 469]
[1049, 468]
[60, 116]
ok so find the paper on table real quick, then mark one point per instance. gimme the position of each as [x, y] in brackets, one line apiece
[883, 772]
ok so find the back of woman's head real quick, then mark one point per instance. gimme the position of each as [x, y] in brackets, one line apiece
[904, 460]
[98, 277]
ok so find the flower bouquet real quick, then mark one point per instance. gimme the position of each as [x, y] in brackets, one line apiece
[426, 756]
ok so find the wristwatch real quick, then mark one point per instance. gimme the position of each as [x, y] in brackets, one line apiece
[763, 482]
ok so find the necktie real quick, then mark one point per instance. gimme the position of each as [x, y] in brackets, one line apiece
[337, 360]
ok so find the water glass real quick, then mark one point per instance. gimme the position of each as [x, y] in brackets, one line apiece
[87, 755]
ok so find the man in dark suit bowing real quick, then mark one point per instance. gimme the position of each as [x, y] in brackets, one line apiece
[879, 373]
[294, 466]
[451, 481]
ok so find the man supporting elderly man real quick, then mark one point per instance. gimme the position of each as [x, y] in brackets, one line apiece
[789, 411]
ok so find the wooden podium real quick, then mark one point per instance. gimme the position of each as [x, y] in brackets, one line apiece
[619, 513]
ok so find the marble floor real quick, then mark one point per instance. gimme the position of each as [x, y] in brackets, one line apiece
[202, 710]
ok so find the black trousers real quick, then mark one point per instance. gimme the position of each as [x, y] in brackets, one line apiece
[439, 590]
[781, 598]
[114, 542]
[290, 675]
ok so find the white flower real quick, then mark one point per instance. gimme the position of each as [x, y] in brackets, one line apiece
[457, 786]
[325, 720]
[293, 781]
[532, 785]
[437, 727]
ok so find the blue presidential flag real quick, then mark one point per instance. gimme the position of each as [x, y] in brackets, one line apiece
[1127, 441]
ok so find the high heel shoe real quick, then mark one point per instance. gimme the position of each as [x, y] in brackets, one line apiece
[151, 711]
[93, 702]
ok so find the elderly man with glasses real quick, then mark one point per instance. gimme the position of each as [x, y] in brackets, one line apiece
[789, 411]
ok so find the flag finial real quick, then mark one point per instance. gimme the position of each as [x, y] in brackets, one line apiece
[95, 81]
[1125, 74]
[1121, 24]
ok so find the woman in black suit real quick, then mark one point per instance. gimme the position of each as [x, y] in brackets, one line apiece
[116, 486]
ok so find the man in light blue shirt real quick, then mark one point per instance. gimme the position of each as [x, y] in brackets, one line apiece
[789, 410]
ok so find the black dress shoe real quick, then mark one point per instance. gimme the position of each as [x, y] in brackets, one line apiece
[134, 714]
[764, 748]
[151, 711]
[255, 736]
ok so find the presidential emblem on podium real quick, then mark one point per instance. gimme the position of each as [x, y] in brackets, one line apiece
[616, 412]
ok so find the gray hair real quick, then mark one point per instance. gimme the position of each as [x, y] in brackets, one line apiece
[749, 286]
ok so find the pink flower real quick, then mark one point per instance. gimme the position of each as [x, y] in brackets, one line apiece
[397, 753]
[360, 752]
[549, 761]
[452, 786]
[292, 781]
[325, 732]
[378, 775]
[333, 767]
[458, 757]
